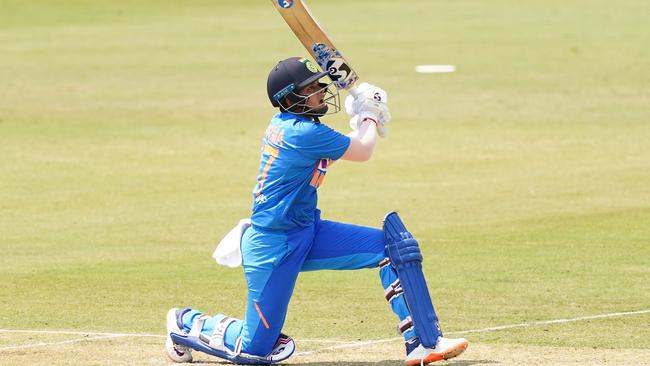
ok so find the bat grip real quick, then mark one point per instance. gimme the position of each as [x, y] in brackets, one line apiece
[354, 91]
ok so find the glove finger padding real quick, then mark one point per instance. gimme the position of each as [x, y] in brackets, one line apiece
[382, 122]
[354, 122]
[384, 116]
[349, 106]
[375, 110]
[360, 89]
[368, 107]
[356, 94]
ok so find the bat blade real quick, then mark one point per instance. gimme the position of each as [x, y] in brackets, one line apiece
[305, 26]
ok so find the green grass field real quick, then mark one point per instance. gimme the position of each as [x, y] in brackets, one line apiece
[129, 145]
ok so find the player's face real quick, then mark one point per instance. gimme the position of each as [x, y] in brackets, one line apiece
[316, 93]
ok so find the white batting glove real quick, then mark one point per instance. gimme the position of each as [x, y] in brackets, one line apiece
[349, 108]
[354, 122]
[361, 93]
[382, 129]
[356, 94]
[368, 102]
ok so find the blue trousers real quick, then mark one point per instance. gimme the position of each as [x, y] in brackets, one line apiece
[272, 261]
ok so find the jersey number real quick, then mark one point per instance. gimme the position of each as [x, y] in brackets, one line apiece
[273, 154]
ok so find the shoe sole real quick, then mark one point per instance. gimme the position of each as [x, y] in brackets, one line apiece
[434, 357]
[456, 350]
[170, 350]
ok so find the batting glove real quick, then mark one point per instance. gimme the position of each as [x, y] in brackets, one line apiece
[368, 102]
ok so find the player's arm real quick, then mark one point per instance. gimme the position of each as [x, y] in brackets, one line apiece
[369, 110]
[362, 142]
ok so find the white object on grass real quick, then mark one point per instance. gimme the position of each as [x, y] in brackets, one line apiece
[228, 252]
[430, 69]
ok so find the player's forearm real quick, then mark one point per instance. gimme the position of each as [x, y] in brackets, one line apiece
[368, 135]
[362, 143]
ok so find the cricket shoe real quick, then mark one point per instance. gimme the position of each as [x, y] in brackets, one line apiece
[417, 354]
[176, 352]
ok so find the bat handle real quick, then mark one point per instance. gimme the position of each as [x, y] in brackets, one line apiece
[354, 91]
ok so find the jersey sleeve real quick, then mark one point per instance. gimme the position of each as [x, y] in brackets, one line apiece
[322, 142]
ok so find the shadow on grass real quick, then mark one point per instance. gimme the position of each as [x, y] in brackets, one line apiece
[378, 363]
[398, 362]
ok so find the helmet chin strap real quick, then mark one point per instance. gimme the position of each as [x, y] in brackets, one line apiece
[317, 112]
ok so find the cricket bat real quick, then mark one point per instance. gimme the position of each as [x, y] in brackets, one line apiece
[317, 43]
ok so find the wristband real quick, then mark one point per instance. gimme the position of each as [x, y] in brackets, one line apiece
[369, 119]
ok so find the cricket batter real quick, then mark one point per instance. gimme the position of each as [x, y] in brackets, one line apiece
[288, 235]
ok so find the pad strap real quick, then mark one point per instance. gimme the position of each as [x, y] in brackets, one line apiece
[216, 341]
[198, 326]
[405, 325]
[393, 291]
[219, 334]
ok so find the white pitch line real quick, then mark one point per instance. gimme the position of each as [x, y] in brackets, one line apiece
[58, 343]
[80, 333]
[482, 330]
[101, 335]
[134, 334]
[345, 344]
[555, 321]
[321, 341]
[348, 345]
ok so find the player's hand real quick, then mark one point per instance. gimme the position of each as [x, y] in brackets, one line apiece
[382, 129]
[368, 103]
[357, 93]
[365, 95]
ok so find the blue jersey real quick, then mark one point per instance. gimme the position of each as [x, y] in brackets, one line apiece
[295, 154]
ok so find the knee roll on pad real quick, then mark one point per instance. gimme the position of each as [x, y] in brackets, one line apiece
[405, 256]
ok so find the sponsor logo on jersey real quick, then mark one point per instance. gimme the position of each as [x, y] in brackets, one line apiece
[261, 199]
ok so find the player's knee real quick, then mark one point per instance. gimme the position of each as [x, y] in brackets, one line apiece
[401, 246]
[261, 344]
